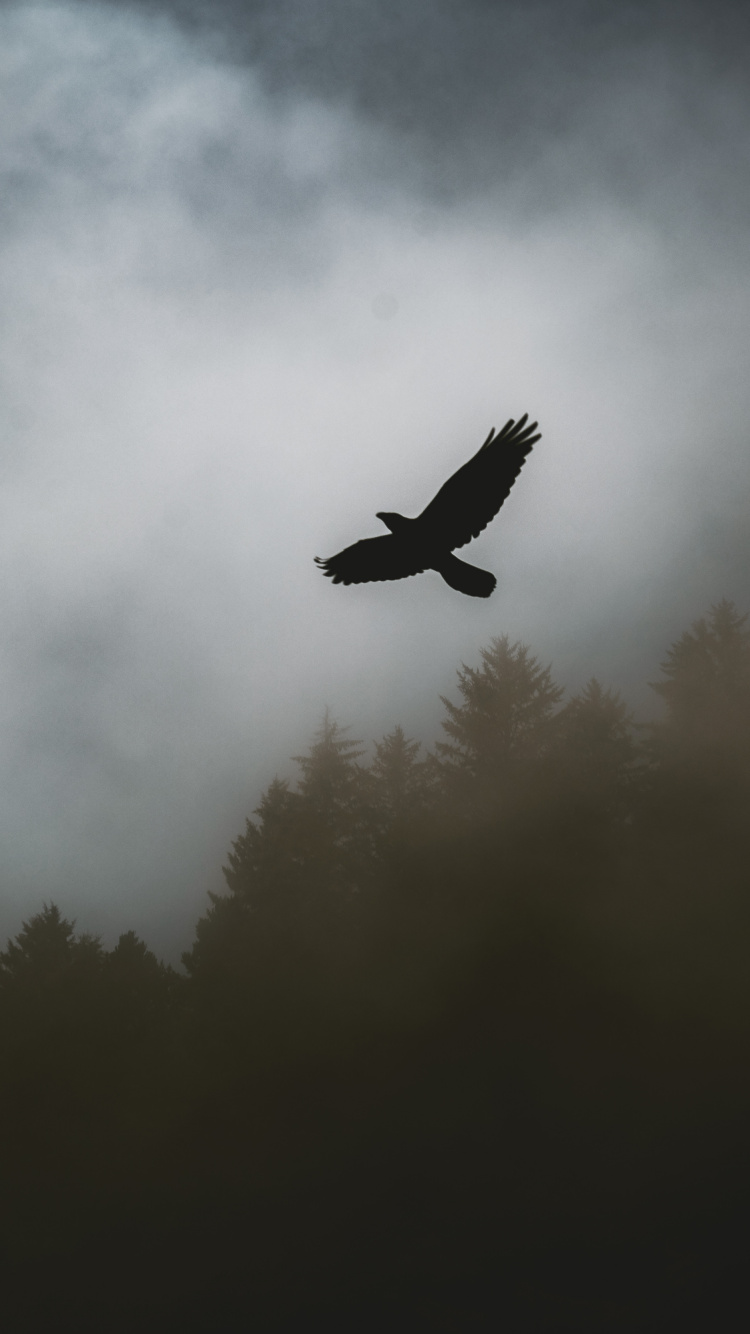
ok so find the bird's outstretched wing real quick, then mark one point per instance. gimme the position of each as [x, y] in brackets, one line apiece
[467, 502]
[372, 559]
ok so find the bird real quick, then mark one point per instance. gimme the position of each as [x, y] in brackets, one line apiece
[462, 508]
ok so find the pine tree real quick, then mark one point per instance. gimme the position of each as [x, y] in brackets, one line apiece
[596, 751]
[51, 1013]
[268, 858]
[293, 869]
[330, 780]
[45, 951]
[707, 690]
[266, 876]
[139, 987]
[701, 752]
[336, 808]
[398, 778]
[504, 726]
[305, 837]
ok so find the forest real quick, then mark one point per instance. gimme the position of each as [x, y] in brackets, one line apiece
[463, 1045]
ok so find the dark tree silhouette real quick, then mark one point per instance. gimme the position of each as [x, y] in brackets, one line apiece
[43, 948]
[268, 858]
[596, 749]
[293, 871]
[313, 832]
[65, 993]
[49, 967]
[51, 1018]
[335, 791]
[268, 873]
[330, 773]
[138, 988]
[462, 508]
[707, 686]
[505, 723]
[398, 778]
[696, 809]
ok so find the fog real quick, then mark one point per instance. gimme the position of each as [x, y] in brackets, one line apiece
[266, 271]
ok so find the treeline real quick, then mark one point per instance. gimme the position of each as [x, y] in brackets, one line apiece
[463, 1045]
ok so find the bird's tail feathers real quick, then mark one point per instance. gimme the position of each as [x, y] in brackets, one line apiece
[466, 578]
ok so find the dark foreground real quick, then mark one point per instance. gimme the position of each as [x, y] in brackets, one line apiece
[465, 1047]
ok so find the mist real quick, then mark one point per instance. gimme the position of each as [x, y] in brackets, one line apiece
[267, 271]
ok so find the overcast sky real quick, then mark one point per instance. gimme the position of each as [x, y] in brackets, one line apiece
[268, 268]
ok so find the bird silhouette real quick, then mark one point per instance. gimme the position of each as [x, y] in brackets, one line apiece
[463, 506]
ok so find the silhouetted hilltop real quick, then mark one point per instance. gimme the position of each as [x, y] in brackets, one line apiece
[462, 1046]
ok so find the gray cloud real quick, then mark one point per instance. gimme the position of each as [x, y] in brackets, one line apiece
[201, 389]
[482, 88]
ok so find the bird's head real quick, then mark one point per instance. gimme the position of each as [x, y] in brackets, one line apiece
[395, 522]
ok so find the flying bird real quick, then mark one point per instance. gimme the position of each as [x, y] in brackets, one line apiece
[463, 506]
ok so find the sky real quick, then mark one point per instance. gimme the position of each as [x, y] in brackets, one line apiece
[268, 268]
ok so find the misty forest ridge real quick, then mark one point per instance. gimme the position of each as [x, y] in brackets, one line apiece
[462, 1047]
[462, 508]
